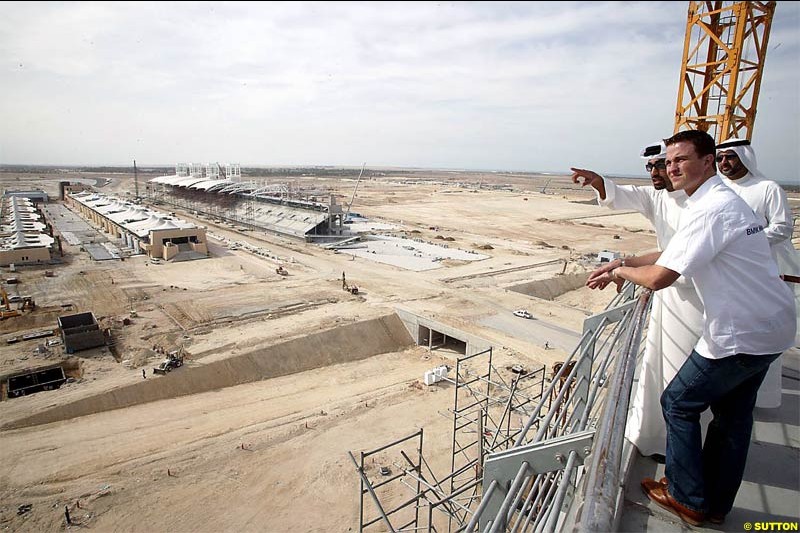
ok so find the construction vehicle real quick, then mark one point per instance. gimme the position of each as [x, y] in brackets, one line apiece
[28, 304]
[350, 204]
[6, 311]
[174, 359]
[282, 271]
[352, 289]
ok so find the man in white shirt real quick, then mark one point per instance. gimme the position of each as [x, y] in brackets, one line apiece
[738, 169]
[749, 320]
[676, 314]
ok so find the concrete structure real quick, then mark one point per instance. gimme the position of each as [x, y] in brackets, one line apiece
[33, 381]
[275, 208]
[156, 234]
[80, 332]
[36, 196]
[433, 334]
[22, 233]
[606, 256]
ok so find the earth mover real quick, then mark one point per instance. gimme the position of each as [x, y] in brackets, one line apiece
[352, 289]
[6, 311]
[173, 360]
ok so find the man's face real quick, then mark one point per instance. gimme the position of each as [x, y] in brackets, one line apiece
[658, 173]
[686, 169]
[730, 165]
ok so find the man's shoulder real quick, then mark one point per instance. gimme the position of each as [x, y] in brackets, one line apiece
[721, 199]
[772, 186]
[759, 181]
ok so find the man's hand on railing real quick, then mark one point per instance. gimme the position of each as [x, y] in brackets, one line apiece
[600, 278]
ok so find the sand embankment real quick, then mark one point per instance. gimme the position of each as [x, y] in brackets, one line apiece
[550, 289]
[339, 345]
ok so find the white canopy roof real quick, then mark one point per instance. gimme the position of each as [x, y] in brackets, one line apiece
[137, 219]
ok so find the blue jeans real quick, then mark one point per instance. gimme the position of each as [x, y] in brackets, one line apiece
[706, 477]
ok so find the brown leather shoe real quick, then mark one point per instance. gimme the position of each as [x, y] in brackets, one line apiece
[649, 483]
[658, 493]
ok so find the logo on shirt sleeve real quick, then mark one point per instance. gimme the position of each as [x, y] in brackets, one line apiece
[755, 229]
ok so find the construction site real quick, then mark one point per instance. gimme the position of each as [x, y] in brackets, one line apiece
[273, 362]
[367, 349]
[278, 355]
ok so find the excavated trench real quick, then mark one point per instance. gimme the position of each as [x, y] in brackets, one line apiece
[348, 343]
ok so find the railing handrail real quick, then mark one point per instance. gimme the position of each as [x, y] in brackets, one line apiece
[603, 477]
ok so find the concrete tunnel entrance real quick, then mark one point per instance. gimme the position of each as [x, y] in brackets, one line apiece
[435, 340]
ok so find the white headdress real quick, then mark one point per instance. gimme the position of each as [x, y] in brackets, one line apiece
[657, 150]
[742, 148]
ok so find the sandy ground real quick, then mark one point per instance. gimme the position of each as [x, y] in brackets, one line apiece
[272, 455]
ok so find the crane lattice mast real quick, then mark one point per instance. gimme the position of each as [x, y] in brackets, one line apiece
[723, 60]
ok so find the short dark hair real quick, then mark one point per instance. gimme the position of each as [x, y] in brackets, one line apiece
[703, 142]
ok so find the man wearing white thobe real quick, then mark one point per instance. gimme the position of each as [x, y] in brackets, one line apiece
[736, 162]
[676, 315]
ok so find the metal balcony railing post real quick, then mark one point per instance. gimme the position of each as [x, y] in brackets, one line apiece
[584, 364]
[602, 486]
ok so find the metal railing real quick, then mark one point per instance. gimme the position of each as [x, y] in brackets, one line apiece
[532, 487]
[603, 480]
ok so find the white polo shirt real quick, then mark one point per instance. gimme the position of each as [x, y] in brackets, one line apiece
[721, 247]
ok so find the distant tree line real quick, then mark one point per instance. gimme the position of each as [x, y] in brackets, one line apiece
[298, 172]
[37, 169]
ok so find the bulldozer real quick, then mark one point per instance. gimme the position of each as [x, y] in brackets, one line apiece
[28, 304]
[282, 271]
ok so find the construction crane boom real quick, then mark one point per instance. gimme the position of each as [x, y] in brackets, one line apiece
[723, 61]
[349, 205]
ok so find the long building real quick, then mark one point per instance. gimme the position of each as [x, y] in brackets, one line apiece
[23, 237]
[156, 234]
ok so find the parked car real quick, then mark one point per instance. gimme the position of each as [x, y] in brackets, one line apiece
[522, 313]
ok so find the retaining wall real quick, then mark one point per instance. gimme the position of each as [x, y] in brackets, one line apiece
[340, 345]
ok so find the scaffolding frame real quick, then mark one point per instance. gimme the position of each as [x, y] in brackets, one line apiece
[375, 488]
[484, 407]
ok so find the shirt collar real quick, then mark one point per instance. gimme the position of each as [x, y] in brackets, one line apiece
[741, 181]
[702, 190]
[677, 195]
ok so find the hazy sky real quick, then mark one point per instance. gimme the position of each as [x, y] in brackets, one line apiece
[503, 86]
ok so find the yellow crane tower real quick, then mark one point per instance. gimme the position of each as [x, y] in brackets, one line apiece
[723, 60]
